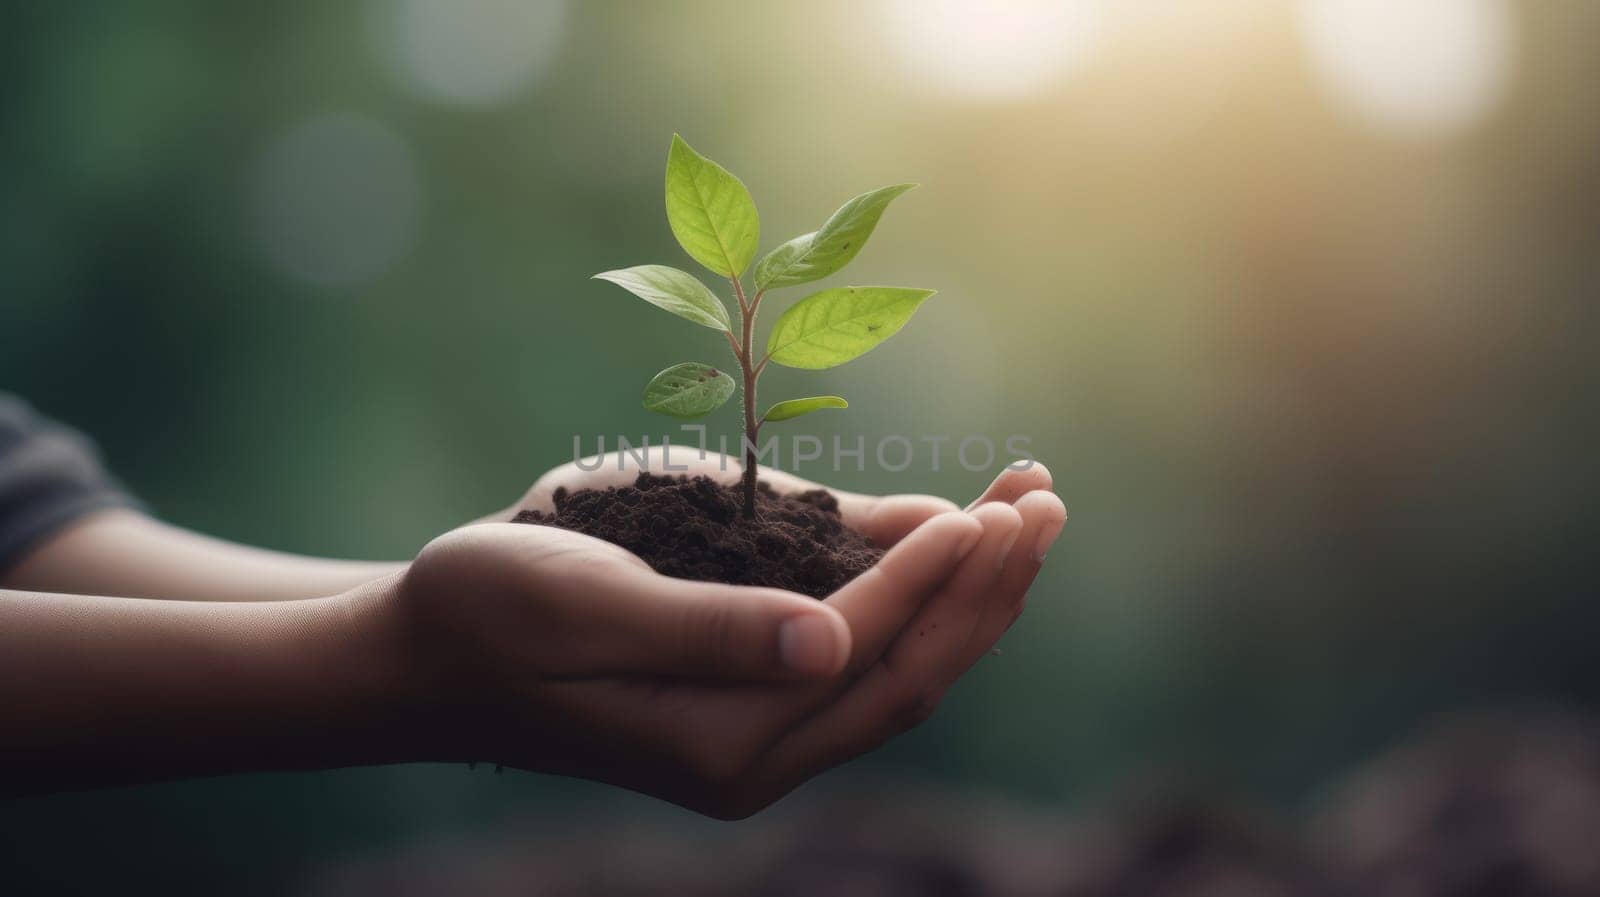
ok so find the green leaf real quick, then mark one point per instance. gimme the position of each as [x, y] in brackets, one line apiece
[688, 390]
[796, 407]
[780, 262]
[710, 211]
[831, 327]
[815, 255]
[676, 291]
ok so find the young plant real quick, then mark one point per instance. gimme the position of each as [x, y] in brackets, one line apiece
[714, 219]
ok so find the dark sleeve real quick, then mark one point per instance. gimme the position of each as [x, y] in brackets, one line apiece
[49, 476]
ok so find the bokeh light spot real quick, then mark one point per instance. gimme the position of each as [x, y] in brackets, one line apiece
[337, 199]
[474, 52]
[1413, 68]
[990, 49]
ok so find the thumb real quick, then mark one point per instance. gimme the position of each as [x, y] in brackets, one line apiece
[664, 626]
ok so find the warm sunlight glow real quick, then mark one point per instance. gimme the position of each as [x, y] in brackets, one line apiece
[1415, 68]
[990, 49]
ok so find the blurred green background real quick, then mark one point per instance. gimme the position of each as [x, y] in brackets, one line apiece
[1296, 299]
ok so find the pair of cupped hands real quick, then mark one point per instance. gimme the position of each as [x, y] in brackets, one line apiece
[577, 659]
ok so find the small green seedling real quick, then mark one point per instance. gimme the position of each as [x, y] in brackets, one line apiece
[715, 221]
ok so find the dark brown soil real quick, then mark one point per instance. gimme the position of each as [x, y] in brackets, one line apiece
[691, 529]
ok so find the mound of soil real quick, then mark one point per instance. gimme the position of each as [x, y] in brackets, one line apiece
[691, 529]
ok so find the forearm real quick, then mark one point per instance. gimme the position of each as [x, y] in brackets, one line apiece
[126, 554]
[97, 691]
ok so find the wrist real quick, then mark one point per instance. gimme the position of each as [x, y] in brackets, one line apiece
[382, 676]
[411, 692]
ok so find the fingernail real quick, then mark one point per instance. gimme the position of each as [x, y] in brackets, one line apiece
[807, 645]
[1047, 537]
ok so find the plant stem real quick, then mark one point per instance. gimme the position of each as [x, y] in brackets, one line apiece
[747, 314]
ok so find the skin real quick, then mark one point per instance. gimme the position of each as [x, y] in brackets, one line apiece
[534, 647]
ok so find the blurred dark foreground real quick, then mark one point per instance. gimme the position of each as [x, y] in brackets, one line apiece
[1489, 805]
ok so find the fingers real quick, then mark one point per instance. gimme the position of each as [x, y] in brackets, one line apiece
[630, 620]
[723, 734]
[887, 520]
[945, 625]
[878, 603]
[927, 658]
[931, 607]
[1012, 484]
[1043, 516]
[672, 627]
[903, 685]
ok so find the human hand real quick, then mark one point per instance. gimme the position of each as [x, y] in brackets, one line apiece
[548, 650]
